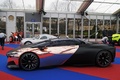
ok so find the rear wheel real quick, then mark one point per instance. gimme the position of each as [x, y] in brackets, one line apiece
[119, 42]
[103, 59]
[27, 43]
[29, 61]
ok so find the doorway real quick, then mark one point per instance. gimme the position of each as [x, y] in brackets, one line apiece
[32, 29]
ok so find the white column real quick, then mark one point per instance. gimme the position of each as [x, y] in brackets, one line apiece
[10, 24]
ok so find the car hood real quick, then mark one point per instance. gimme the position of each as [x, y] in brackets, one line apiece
[21, 47]
[114, 35]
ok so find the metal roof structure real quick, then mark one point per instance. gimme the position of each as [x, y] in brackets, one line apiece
[71, 6]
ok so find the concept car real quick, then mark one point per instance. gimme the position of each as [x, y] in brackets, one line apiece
[60, 52]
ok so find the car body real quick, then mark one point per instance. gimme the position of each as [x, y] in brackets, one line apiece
[60, 52]
[116, 38]
[42, 37]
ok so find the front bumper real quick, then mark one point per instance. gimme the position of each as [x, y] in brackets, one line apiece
[12, 62]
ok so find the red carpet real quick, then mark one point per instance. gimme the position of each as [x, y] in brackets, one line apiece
[65, 73]
[111, 73]
[118, 54]
[5, 76]
[6, 49]
[118, 47]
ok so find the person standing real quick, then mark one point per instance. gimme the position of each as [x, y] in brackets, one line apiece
[2, 39]
[105, 40]
[104, 32]
[110, 33]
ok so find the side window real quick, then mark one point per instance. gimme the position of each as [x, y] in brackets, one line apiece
[43, 44]
[43, 37]
[54, 43]
[81, 42]
[57, 43]
[72, 42]
[65, 43]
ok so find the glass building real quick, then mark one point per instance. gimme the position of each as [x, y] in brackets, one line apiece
[73, 18]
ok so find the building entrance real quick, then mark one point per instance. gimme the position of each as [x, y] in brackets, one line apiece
[32, 29]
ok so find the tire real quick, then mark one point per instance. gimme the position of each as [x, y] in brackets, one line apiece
[119, 42]
[29, 61]
[103, 59]
[27, 43]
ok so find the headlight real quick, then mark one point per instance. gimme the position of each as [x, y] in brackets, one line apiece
[11, 54]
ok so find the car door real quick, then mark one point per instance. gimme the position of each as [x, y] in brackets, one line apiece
[59, 52]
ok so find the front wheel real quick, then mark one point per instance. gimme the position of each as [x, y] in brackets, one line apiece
[29, 61]
[103, 59]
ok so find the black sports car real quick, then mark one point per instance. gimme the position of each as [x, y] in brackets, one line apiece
[60, 52]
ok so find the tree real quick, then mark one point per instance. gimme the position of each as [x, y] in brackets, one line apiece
[8, 4]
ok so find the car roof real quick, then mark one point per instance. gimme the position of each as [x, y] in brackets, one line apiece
[47, 35]
[61, 39]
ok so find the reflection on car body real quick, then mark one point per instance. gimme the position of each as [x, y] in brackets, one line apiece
[60, 52]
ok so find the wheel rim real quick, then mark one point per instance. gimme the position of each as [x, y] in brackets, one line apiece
[29, 61]
[104, 59]
[27, 43]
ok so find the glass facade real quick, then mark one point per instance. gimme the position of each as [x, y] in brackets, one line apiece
[92, 26]
[3, 24]
[77, 27]
[85, 28]
[70, 24]
[19, 24]
[62, 28]
[54, 26]
[114, 25]
[32, 29]
[45, 26]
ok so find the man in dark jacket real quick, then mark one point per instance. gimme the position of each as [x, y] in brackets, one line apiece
[2, 39]
[105, 32]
